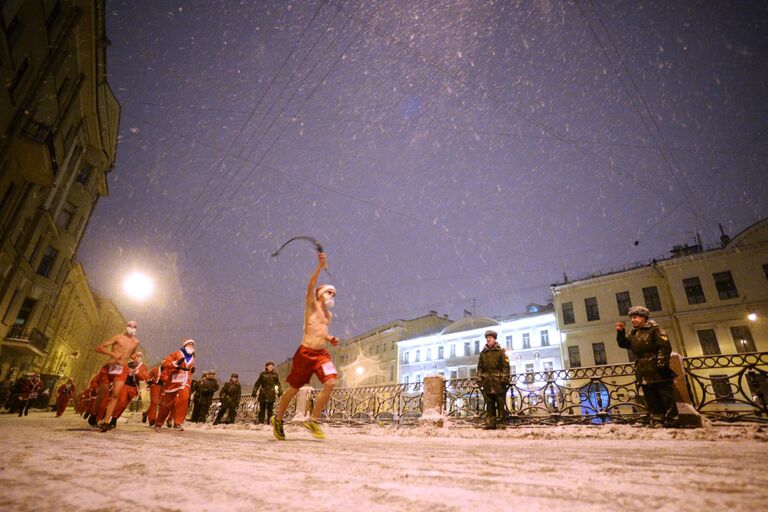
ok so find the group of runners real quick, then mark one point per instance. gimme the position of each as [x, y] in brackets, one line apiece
[116, 384]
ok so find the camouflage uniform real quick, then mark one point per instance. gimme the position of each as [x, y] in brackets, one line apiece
[651, 346]
[493, 378]
[230, 399]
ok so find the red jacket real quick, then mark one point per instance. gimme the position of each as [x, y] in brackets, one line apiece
[177, 371]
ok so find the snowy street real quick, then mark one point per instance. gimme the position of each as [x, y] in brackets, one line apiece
[62, 464]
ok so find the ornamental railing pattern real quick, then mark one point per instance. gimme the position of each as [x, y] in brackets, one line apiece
[730, 387]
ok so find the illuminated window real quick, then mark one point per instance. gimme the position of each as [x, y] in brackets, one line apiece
[742, 338]
[545, 338]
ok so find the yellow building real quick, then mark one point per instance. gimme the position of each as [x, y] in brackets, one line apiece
[80, 321]
[58, 137]
[711, 301]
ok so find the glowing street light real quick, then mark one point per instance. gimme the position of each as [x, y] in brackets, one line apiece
[138, 286]
[752, 316]
[359, 370]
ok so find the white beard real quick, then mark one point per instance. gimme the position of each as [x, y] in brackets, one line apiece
[329, 302]
[131, 331]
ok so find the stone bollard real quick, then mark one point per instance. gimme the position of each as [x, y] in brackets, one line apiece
[433, 401]
[689, 417]
[302, 404]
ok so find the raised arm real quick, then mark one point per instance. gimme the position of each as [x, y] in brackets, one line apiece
[322, 260]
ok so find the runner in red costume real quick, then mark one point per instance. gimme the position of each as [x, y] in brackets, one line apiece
[63, 395]
[176, 374]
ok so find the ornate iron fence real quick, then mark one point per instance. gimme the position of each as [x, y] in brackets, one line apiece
[730, 387]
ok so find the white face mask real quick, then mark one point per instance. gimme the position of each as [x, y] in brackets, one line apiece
[131, 331]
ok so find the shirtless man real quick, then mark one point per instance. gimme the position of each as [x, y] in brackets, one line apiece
[311, 356]
[119, 348]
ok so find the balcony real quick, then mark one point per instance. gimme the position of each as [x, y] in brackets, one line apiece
[25, 341]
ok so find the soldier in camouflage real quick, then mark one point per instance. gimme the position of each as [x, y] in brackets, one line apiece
[650, 344]
[493, 378]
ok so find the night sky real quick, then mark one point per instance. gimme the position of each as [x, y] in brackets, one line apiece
[450, 156]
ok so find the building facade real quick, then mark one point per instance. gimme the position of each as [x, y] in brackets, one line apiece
[709, 301]
[532, 341]
[58, 137]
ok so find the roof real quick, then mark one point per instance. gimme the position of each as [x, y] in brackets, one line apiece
[470, 323]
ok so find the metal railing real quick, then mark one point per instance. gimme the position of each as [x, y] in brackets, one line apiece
[730, 387]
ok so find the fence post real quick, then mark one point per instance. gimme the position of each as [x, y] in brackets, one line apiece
[689, 416]
[433, 401]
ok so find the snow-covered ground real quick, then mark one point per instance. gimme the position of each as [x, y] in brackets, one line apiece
[50, 463]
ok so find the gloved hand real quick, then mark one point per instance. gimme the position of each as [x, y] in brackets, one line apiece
[132, 364]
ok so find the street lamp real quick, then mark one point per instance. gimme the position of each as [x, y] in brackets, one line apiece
[752, 316]
[138, 286]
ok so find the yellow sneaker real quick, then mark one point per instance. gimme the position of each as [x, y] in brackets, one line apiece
[314, 429]
[277, 428]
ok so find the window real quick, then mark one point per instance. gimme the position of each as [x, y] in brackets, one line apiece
[545, 338]
[454, 375]
[526, 340]
[467, 348]
[529, 369]
[652, 299]
[440, 352]
[477, 346]
[18, 77]
[406, 357]
[742, 338]
[13, 31]
[84, 174]
[472, 373]
[453, 350]
[694, 291]
[46, 263]
[509, 342]
[548, 366]
[568, 316]
[429, 354]
[22, 317]
[726, 288]
[708, 340]
[598, 349]
[53, 16]
[722, 388]
[765, 270]
[593, 313]
[418, 356]
[406, 379]
[7, 196]
[513, 369]
[624, 303]
[574, 357]
[65, 215]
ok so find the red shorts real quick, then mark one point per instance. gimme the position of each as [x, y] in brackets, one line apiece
[307, 361]
[112, 372]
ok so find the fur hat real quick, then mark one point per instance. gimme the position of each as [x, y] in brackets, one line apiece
[639, 311]
[491, 333]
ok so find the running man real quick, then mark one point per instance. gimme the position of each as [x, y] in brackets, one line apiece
[311, 356]
[119, 348]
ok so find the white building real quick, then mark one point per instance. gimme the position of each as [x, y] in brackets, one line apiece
[532, 341]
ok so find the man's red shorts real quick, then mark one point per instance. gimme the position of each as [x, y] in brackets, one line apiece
[112, 372]
[307, 361]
